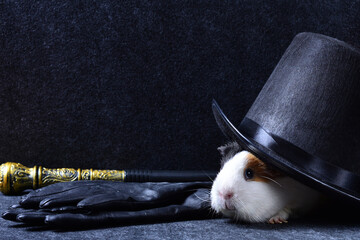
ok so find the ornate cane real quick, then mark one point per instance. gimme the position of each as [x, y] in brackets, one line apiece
[14, 177]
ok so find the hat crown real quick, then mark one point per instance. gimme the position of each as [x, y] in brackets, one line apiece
[312, 99]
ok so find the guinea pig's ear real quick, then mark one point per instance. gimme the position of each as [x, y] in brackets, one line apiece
[229, 148]
[228, 151]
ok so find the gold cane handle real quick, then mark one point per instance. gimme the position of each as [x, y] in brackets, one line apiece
[14, 177]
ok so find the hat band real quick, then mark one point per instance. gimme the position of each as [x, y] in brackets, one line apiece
[299, 159]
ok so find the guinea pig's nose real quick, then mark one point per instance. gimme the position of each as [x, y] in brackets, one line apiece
[226, 195]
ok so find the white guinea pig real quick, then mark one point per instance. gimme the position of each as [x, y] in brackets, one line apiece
[247, 189]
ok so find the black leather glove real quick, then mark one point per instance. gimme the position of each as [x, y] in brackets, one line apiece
[84, 204]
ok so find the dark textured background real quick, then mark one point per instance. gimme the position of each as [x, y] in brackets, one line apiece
[129, 84]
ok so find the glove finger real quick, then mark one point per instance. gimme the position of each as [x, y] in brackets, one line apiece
[180, 190]
[21, 215]
[33, 199]
[66, 199]
[200, 199]
[15, 206]
[135, 196]
[63, 193]
[33, 218]
[117, 201]
[65, 209]
[11, 214]
[30, 216]
[142, 195]
[164, 214]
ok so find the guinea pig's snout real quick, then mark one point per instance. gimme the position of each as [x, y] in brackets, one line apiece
[227, 197]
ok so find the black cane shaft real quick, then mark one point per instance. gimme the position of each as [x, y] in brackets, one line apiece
[168, 176]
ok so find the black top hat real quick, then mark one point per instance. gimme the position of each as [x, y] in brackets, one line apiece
[306, 119]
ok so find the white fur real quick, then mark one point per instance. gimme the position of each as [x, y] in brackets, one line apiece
[254, 201]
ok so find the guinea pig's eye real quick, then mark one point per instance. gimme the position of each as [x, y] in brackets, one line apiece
[248, 174]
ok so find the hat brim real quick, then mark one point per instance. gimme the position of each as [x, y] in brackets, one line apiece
[315, 173]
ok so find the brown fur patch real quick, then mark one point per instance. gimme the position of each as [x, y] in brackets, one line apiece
[262, 173]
